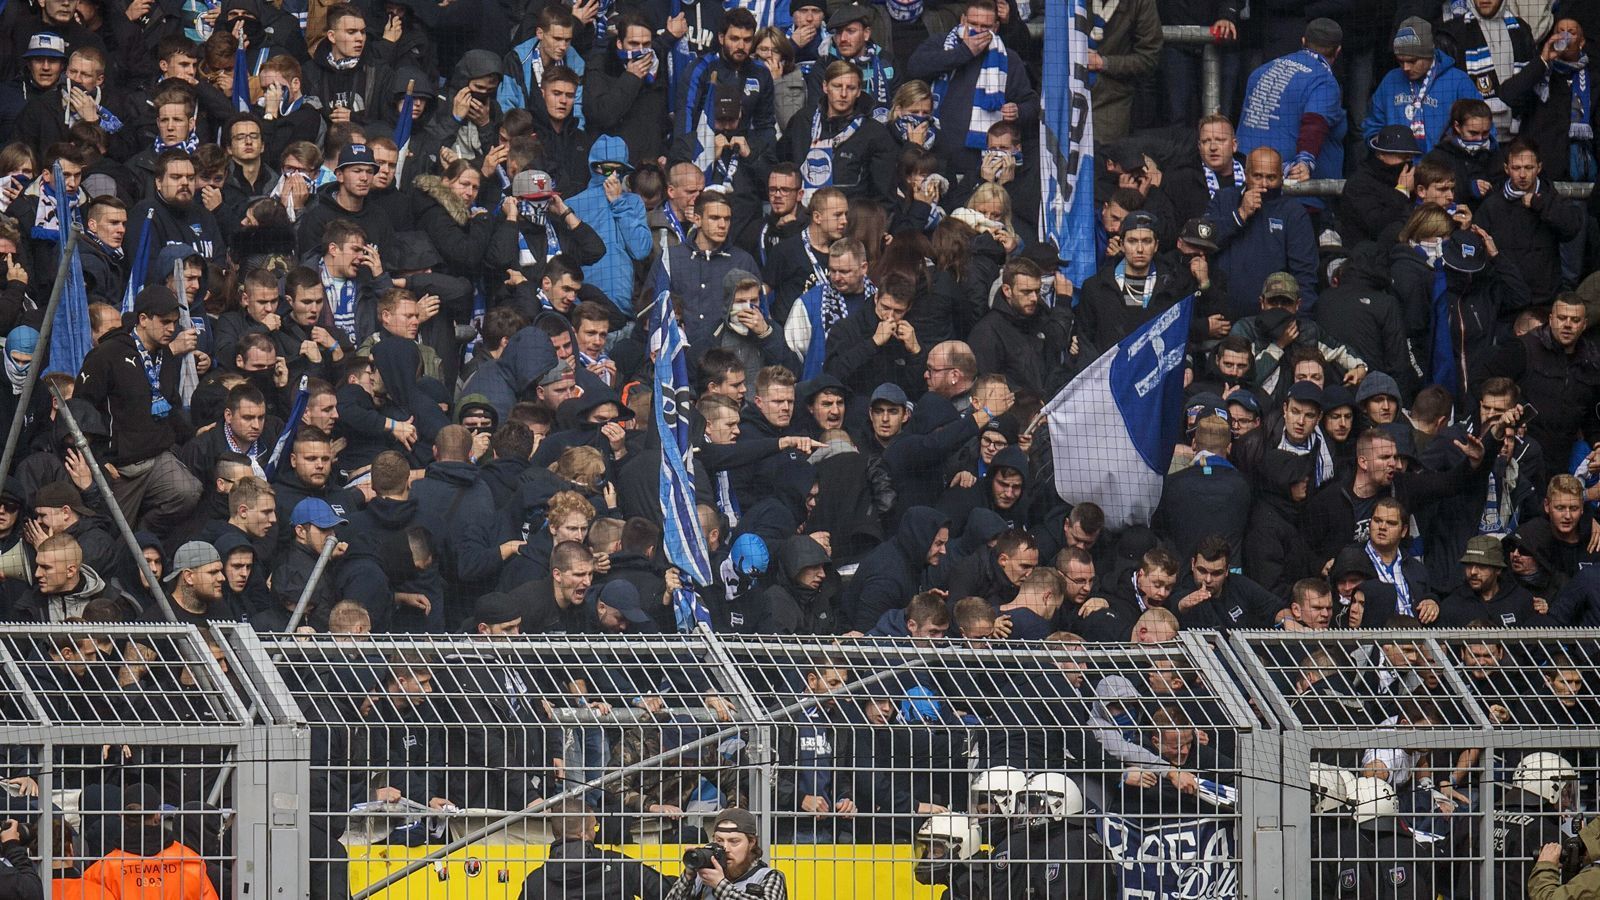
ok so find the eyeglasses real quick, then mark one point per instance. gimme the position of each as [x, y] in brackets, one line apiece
[777, 189]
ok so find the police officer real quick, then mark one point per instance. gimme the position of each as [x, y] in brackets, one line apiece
[946, 844]
[1389, 860]
[992, 798]
[740, 874]
[1052, 854]
[1543, 788]
[1333, 834]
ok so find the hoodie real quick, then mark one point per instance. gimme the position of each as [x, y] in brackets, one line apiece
[793, 609]
[915, 458]
[889, 576]
[578, 870]
[1445, 84]
[620, 224]
[959, 502]
[465, 138]
[783, 511]
[528, 357]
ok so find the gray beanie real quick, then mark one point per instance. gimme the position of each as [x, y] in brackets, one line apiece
[1414, 40]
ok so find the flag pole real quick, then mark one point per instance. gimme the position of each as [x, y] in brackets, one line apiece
[40, 352]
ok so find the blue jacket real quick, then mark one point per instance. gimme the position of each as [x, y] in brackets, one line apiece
[621, 226]
[1279, 94]
[1278, 238]
[1395, 93]
[517, 87]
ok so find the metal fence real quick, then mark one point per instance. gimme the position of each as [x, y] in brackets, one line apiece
[1249, 764]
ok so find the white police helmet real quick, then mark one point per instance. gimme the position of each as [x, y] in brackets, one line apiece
[1373, 798]
[943, 840]
[1049, 797]
[994, 791]
[1545, 775]
[1331, 787]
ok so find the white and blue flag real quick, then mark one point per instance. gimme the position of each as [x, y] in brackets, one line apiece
[1066, 139]
[1113, 426]
[685, 544]
[402, 133]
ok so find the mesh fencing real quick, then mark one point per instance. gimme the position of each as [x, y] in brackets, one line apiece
[1332, 764]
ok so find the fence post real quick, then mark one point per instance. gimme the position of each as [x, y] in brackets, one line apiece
[1210, 79]
[272, 814]
[762, 745]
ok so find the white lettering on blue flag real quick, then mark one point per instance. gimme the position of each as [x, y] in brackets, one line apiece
[1113, 426]
[1188, 860]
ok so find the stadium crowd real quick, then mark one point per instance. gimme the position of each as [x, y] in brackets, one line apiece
[383, 274]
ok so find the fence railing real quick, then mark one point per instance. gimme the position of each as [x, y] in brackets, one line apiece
[1247, 764]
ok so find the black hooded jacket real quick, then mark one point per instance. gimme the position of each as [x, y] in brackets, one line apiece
[891, 574]
[787, 607]
[1370, 203]
[916, 457]
[959, 502]
[578, 870]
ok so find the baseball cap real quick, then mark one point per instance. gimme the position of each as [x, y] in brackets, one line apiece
[47, 44]
[1127, 157]
[356, 155]
[1201, 232]
[844, 15]
[1465, 252]
[624, 598]
[737, 821]
[1483, 550]
[890, 393]
[561, 370]
[1281, 284]
[156, 300]
[1305, 392]
[1247, 400]
[1137, 220]
[193, 555]
[533, 184]
[314, 511]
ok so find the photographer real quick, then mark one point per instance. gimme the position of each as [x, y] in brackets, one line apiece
[1564, 871]
[19, 880]
[735, 873]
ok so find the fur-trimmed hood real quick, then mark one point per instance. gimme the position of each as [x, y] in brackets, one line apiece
[433, 186]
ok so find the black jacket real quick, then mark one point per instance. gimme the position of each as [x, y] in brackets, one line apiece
[1510, 607]
[578, 870]
[891, 574]
[1105, 316]
[862, 365]
[325, 208]
[916, 457]
[863, 165]
[1370, 201]
[362, 87]
[1362, 314]
[1563, 386]
[1199, 501]
[113, 381]
[1470, 167]
[615, 101]
[1033, 352]
[192, 225]
[1532, 235]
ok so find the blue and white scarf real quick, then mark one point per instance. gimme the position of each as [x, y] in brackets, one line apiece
[586, 361]
[988, 94]
[904, 124]
[816, 172]
[108, 123]
[534, 213]
[628, 56]
[1100, 12]
[1580, 132]
[187, 145]
[875, 78]
[341, 294]
[1393, 574]
[903, 10]
[1317, 449]
[675, 223]
[1418, 103]
[159, 407]
[1214, 184]
[46, 219]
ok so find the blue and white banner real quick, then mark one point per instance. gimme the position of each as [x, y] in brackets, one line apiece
[241, 81]
[1066, 140]
[402, 134]
[290, 429]
[1192, 859]
[70, 335]
[1113, 426]
[139, 267]
[685, 544]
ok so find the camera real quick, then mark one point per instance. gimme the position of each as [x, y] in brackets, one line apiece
[25, 832]
[697, 858]
[1573, 858]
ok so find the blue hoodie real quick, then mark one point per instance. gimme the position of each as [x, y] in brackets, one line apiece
[1395, 93]
[620, 224]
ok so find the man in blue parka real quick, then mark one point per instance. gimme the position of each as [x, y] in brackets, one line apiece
[1418, 93]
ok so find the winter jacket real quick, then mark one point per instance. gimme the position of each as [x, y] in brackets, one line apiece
[862, 365]
[931, 61]
[1532, 235]
[1547, 120]
[35, 606]
[461, 237]
[362, 88]
[1276, 238]
[325, 208]
[1275, 552]
[1471, 166]
[617, 102]
[620, 225]
[696, 279]
[695, 90]
[460, 511]
[1360, 314]
[863, 164]
[855, 494]
[1510, 607]
[789, 608]
[1278, 99]
[898, 569]
[1201, 500]
[1105, 314]
[1396, 95]
[191, 225]
[528, 357]
[916, 457]
[1564, 386]
[520, 88]
[1371, 201]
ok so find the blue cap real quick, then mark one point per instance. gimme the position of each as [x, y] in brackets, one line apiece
[1247, 400]
[889, 392]
[47, 44]
[1306, 392]
[749, 554]
[313, 511]
[356, 155]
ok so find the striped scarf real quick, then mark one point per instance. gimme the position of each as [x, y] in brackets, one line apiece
[988, 94]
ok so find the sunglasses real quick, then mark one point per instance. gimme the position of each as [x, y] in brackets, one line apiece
[608, 170]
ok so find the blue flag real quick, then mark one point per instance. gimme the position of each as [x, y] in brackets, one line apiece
[402, 135]
[139, 265]
[70, 338]
[241, 81]
[1113, 426]
[1066, 140]
[290, 429]
[685, 544]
